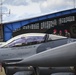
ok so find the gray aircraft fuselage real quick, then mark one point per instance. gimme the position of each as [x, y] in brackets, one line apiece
[15, 53]
[56, 57]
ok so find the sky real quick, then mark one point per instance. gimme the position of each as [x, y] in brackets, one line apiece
[24, 9]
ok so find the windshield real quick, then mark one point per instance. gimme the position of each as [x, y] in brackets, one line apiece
[25, 40]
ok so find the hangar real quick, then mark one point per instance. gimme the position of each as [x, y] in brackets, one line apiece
[47, 23]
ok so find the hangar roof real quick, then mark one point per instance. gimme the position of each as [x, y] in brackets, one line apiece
[43, 17]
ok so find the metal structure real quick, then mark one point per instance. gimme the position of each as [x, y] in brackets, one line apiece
[11, 27]
[1, 11]
[74, 3]
[1, 20]
[1, 29]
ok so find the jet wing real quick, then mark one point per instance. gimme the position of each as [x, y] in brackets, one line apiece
[60, 56]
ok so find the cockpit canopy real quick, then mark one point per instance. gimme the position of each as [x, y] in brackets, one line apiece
[28, 38]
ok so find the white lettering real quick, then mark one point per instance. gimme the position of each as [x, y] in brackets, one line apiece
[66, 19]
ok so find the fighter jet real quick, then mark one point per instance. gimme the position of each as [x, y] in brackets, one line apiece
[25, 45]
[28, 44]
[64, 55]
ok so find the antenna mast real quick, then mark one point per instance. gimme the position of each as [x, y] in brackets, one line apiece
[1, 20]
[1, 12]
[74, 3]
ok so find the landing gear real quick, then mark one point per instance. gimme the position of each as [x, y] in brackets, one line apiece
[36, 70]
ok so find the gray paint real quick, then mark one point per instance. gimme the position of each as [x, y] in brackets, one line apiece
[16, 53]
[51, 44]
[60, 56]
